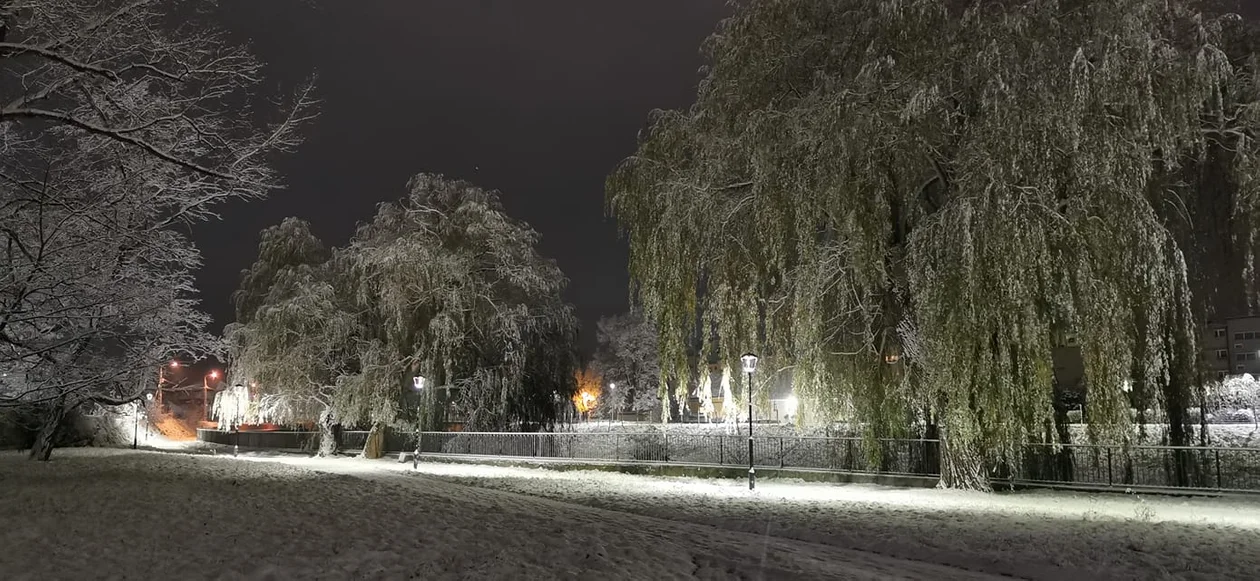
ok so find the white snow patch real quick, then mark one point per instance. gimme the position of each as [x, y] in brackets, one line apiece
[98, 513]
[1039, 535]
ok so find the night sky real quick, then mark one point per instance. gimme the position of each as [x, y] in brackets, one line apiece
[538, 99]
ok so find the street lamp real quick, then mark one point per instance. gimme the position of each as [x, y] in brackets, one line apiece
[135, 423]
[205, 395]
[750, 365]
[162, 379]
[417, 383]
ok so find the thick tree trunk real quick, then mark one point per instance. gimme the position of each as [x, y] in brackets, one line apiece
[329, 434]
[42, 448]
[374, 447]
[962, 465]
[1064, 466]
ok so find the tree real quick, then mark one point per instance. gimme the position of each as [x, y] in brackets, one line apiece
[627, 357]
[116, 132]
[440, 284]
[452, 288]
[296, 330]
[906, 201]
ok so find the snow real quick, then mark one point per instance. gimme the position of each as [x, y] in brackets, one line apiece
[1033, 535]
[93, 513]
[102, 513]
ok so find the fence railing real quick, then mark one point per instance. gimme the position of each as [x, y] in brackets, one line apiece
[907, 457]
[1167, 467]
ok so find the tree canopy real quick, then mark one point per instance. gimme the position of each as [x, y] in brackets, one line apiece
[907, 201]
[441, 284]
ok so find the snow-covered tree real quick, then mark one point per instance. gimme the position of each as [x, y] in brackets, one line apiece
[627, 356]
[117, 130]
[441, 284]
[296, 330]
[452, 288]
[907, 200]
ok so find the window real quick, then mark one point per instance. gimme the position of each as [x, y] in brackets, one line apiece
[1245, 356]
[1237, 346]
[1218, 332]
[1222, 354]
[1240, 368]
[1221, 374]
[1238, 336]
[1246, 336]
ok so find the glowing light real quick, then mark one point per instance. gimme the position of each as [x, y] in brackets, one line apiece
[750, 362]
[790, 405]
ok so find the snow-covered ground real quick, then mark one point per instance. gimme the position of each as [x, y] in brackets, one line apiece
[96, 513]
[119, 514]
[1033, 535]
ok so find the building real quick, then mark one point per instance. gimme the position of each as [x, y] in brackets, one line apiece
[1232, 347]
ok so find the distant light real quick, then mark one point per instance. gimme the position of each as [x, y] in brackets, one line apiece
[790, 404]
[418, 382]
[750, 362]
[214, 374]
[892, 358]
[174, 364]
[612, 386]
[148, 396]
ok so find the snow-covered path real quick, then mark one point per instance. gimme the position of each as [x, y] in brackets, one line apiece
[1035, 535]
[145, 515]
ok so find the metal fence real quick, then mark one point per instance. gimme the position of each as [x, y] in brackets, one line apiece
[1186, 467]
[906, 457]
[1150, 467]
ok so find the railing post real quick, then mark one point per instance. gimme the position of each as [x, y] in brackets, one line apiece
[721, 450]
[666, 448]
[617, 448]
[537, 445]
[1109, 480]
[1216, 452]
[780, 451]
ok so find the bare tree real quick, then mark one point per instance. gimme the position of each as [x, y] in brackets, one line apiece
[116, 131]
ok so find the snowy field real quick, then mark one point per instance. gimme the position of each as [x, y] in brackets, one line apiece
[1034, 535]
[118, 514]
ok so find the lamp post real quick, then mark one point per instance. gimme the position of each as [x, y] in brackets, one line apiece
[417, 383]
[162, 379]
[205, 395]
[135, 424]
[750, 365]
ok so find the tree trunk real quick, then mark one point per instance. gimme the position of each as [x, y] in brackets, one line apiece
[375, 446]
[329, 434]
[962, 465]
[42, 448]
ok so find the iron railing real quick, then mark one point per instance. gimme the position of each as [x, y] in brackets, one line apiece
[1188, 467]
[906, 457]
[1137, 467]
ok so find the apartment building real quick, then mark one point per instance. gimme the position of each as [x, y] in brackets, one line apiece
[1232, 347]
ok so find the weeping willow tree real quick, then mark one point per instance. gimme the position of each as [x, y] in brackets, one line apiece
[295, 335]
[441, 284]
[453, 289]
[905, 201]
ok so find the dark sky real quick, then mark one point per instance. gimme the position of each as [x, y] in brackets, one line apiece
[536, 98]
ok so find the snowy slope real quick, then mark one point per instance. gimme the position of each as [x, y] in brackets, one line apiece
[117, 514]
[1036, 535]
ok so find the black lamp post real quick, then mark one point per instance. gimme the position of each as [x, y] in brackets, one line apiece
[418, 383]
[135, 424]
[750, 365]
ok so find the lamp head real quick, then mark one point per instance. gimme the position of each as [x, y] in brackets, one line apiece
[750, 362]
